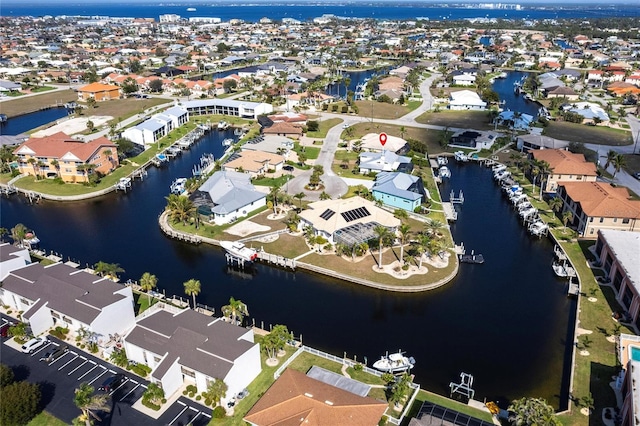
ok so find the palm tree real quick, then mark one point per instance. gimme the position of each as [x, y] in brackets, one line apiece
[381, 232]
[403, 131]
[148, 282]
[434, 227]
[545, 170]
[404, 231]
[192, 288]
[611, 155]
[18, 233]
[273, 193]
[618, 163]
[236, 310]
[33, 163]
[3, 232]
[180, 208]
[56, 165]
[299, 196]
[533, 411]
[567, 217]
[424, 241]
[556, 204]
[216, 390]
[89, 403]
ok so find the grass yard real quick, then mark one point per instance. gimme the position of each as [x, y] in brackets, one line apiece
[368, 109]
[588, 134]
[311, 152]
[325, 125]
[478, 120]
[124, 108]
[21, 106]
[46, 419]
[270, 181]
[429, 138]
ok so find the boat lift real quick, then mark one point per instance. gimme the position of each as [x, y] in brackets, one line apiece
[464, 387]
[456, 200]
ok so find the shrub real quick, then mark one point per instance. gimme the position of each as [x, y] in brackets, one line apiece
[192, 389]
[164, 400]
[219, 413]
[313, 126]
[358, 367]
[334, 107]
[344, 109]
[141, 370]
[150, 404]
[208, 402]
[19, 403]
[198, 397]
[184, 392]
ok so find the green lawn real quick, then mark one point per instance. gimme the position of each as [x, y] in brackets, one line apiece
[269, 181]
[325, 125]
[46, 419]
[311, 152]
[42, 89]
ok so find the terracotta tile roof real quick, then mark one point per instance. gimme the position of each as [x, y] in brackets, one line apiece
[254, 161]
[565, 162]
[282, 128]
[599, 199]
[98, 87]
[295, 399]
[60, 144]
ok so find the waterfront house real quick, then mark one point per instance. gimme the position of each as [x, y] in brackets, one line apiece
[385, 161]
[12, 258]
[283, 128]
[158, 126]
[466, 100]
[227, 196]
[346, 221]
[566, 167]
[314, 402]
[625, 383]
[399, 190]
[617, 253]
[71, 160]
[254, 163]
[533, 141]
[190, 348]
[250, 110]
[61, 295]
[599, 205]
[99, 92]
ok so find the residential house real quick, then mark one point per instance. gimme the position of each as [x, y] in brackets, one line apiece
[72, 160]
[466, 100]
[254, 162]
[61, 295]
[274, 144]
[385, 161]
[12, 258]
[346, 221]
[298, 399]
[617, 253]
[566, 167]
[227, 196]
[534, 141]
[399, 190]
[283, 129]
[99, 92]
[371, 142]
[227, 107]
[599, 205]
[625, 383]
[190, 348]
[146, 133]
[591, 112]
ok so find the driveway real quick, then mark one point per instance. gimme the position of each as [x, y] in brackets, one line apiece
[59, 380]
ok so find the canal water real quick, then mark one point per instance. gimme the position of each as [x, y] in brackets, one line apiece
[512, 101]
[505, 322]
[24, 123]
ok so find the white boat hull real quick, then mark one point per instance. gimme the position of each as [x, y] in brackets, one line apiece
[239, 251]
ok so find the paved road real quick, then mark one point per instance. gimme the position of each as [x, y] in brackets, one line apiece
[59, 379]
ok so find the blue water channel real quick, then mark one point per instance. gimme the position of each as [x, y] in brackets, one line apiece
[24, 123]
[506, 322]
[512, 101]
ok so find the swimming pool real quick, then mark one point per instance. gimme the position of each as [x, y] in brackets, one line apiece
[635, 353]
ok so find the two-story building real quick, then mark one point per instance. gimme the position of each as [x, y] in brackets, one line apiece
[59, 155]
[190, 348]
[99, 92]
[598, 205]
[60, 295]
[399, 190]
[566, 167]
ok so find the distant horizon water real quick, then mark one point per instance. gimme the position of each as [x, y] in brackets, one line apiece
[254, 10]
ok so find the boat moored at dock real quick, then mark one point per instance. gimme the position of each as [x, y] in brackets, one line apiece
[178, 186]
[394, 363]
[239, 251]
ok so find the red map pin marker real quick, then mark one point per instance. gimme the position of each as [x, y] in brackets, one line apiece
[383, 138]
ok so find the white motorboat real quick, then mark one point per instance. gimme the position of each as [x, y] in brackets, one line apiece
[442, 161]
[178, 186]
[538, 228]
[460, 156]
[227, 142]
[444, 172]
[394, 363]
[239, 250]
[559, 270]
[223, 125]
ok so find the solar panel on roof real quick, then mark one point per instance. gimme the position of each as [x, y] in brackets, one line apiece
[357, 213]
[326, 215]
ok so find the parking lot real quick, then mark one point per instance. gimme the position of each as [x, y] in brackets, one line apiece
[61, 377]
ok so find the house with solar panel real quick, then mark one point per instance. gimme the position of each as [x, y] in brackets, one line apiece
[399, 190]
[349, 221]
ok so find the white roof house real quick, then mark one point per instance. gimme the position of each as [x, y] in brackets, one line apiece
[192, 348]
[371, 142]
[355, 217]
[227, 107]
[385, 161]
[59, 294]
[233, 196]
[588, 110]
[466, 99]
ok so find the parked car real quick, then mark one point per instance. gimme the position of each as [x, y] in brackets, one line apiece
[231, 403]
[112, 382]
[243, 393]
[4, 329]
[33, 344]
[287, 168]
[636, 175]
[54, 354]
